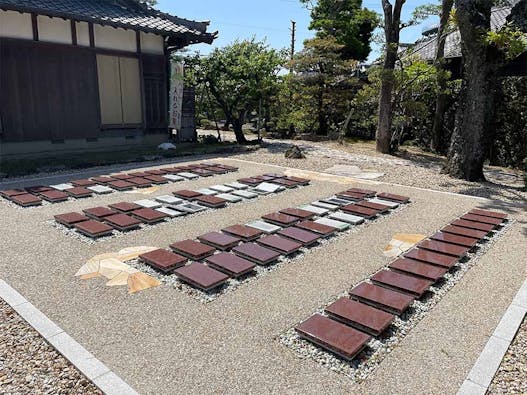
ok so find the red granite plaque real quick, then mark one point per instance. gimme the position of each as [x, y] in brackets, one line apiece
[201, 276]
[401, 282]
[230, 264]
[383, 298]
[193, 249]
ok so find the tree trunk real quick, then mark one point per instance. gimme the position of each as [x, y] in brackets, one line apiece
[392, 27]
[238, 131]
[467, 151]
[442, 98]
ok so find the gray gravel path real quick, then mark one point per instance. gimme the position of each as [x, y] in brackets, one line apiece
[29, 365]
[511, 377]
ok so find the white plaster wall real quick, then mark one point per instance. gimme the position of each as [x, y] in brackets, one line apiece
[107, 37]
[83, 34]
[152, 43]
[55, 30]
[15, 25]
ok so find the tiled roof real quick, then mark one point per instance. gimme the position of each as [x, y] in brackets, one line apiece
[130, 14]
[426, 47]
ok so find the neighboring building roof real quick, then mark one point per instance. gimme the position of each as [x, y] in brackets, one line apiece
[426, 47]
[128, 14]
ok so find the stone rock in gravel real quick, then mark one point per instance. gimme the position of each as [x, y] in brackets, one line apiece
[294, 153]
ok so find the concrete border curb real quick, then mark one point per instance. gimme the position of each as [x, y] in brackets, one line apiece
[98, 373]
[482, 373]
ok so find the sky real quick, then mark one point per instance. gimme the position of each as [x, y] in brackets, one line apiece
[267, 19]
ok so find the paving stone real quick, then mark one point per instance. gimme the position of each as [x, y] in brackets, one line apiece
[256, 253]
[384, 202]
[163, 260]
[122, 222]
[138, 174]
[460, 231]
[401, 282]
[124, 207]
[121, 176]
[341, 226]
[324, 230]
[70, 219]
[230, 264]
[299, 213]
[274, 175]
[264, 226]
[227, 167]
[366, 192]
[362, 211]
[237, 185]
[473, 225]
[54, 196]
[190, 208]
[148, 203]
[351, 196]
[266, 188]
[26, 200]
[229, 197]
[201, 276]
[149, 216]
[286, 183]
[188, 175]
[203, 172]
[281, 244]
[193, 249]
[93, 228]
[334, 336]
[417, 268]
[314, 209]
[250, 181]
[352, 219]
[171, 212]
[101, 189]
[121, 185]
[393, 197]
[383, 298]
[13, 192]
[222, 188]
[156, 179]
[359, 315]
[36, 189]
[486, 213]
[140, 182]
[221, 241]
[330, 207]
[433, 258]
[451, 238]
[444, 248]
[246, 233]
[157, 172]
[305, 237]
[211, 201]
[336, 201]
[79, 192]
[173, 177]
[245, 194]
[62, 187]
[280, 219]
[99, 212]
[375, 206]
[169, 199]
[299, 180]
[187, 194]
[207, 191]
[84, 183]
[482, 219]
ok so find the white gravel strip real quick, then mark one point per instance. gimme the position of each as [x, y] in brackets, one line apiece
[378, 348]
[24, 351]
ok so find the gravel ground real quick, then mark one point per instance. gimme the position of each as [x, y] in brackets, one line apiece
[29, 365]
[412, 168]
[512, 374]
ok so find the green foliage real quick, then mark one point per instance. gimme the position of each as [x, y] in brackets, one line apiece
[509, 40]
[236, 78]
[346, 21]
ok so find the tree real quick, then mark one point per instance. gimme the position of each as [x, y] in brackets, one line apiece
[484, 52]
[439, 62]
[238, 76]
[345, 20]
[392, 29]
